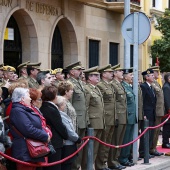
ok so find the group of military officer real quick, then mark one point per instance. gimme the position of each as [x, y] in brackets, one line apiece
[104, 100]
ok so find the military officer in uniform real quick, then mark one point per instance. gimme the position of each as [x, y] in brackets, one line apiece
[23, 70]
[110, 116]
[131, 118]
[59, 76]
[159, 110]
[120, 122]
[96, 111]
[32, 70]
[8, 78]
[78, 101]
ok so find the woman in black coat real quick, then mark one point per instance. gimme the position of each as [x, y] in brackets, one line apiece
[51, 113]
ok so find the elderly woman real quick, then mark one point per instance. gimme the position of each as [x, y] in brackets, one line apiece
[23, 118]
[52, 115]
[65, 89]
[73, 138]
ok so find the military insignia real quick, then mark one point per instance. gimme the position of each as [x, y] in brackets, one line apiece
[8, 69]
[148, 72]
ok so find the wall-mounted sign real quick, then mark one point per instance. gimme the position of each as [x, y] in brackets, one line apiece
[9, 34]
[7, 3]
[41, 8]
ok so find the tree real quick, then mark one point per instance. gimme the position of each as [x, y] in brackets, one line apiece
[161, 47]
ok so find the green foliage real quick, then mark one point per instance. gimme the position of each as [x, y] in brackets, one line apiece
[161, 47]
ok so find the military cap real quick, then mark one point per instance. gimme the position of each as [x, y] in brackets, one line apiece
[34, 65]
[1, 66]
[23, 65]
[74, 66]
[52, 72]
[92, 70]
[58, 70]
[116, 67]
[148, 71]
[83, 68]
[155, 68]
[105, 68]
[126, 71]
[9, 68]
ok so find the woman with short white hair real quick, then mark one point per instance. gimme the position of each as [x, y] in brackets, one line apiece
[73, 138]
[28, 123]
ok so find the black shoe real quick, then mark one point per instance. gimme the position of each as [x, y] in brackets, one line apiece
[119, 167]
[166, 145]
[139, 159]
[156, 153]
[127, 164]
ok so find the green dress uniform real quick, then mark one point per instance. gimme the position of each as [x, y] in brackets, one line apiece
[121, 111]
[110, 117]
[78, 101]
[131, 120]
[159, 112]
[32, 83]
[95, 105]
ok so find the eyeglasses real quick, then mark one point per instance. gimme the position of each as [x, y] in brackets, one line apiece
[40, 100]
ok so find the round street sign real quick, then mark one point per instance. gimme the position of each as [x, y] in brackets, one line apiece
[143, 25]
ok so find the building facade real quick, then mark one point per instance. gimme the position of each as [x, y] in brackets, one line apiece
[153, 9]
[59, 32]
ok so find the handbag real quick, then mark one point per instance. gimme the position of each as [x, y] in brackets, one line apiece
[37, 149]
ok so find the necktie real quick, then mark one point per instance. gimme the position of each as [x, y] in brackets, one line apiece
[152, 90]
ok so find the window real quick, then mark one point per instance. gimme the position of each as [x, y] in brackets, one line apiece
[131, 55]
[93, 53]
[153, 3]
[113, 53]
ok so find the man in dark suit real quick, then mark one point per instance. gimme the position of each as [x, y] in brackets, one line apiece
[166, 126]
[149, 107]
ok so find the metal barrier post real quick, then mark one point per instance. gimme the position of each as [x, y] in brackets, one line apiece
[146, 143]
[90, 132]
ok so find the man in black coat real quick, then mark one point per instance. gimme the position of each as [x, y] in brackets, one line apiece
[149, 107]
[166, 126]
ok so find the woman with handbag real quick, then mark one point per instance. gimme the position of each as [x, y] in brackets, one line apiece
[36, 103]
[69, 145]
[25, 124]
[53, 118]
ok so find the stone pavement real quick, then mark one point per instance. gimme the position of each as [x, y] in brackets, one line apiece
[156, 163]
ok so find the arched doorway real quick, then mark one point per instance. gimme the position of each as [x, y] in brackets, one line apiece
[64, 47]
[13, 48]
[57, 50]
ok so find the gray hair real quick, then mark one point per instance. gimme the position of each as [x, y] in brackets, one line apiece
[18, 93]
[41, 76]
[60, 101]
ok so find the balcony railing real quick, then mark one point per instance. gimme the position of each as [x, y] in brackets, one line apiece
[113, 5]
[132, 1]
